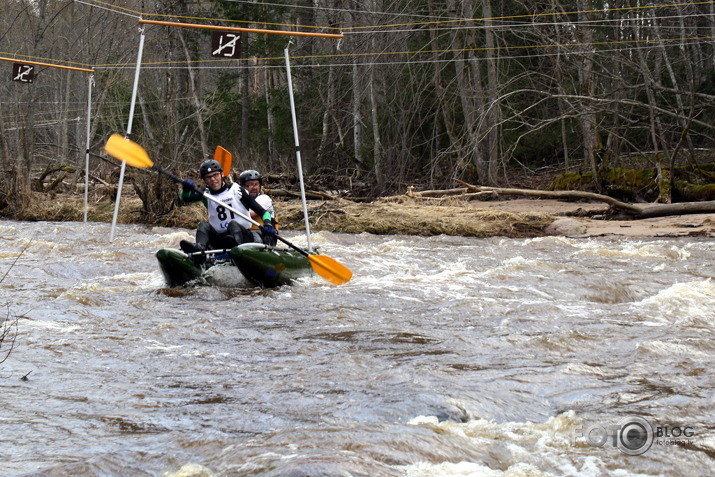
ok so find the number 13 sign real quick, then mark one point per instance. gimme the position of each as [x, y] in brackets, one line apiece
[226, 45]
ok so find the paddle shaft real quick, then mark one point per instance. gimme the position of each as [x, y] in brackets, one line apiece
[228, 207]
[209, 252]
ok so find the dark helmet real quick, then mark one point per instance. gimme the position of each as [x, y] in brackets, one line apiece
[209, 166]
[250, 175]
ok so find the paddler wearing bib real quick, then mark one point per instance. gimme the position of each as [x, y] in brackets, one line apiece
[224, 228]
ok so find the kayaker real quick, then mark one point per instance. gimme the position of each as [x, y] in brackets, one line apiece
[224, 229]
[252, 181]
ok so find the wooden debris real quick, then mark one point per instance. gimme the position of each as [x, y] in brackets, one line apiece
[628, 210]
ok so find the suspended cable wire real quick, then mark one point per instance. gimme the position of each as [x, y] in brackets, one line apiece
[512, 25]
[439, 21]
[184, 64]
[531, 15]
[111, 7]
[332, 9]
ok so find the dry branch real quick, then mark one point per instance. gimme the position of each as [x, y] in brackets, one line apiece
[99, 179]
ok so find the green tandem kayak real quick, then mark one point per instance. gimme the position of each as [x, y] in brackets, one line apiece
[261, 264]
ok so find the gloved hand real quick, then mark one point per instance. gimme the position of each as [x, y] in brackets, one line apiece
[189, 185]
[268, 228]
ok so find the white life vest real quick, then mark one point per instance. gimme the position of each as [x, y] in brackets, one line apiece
[267, 203]
[220, 216]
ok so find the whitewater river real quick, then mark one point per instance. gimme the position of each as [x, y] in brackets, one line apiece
[444, 356]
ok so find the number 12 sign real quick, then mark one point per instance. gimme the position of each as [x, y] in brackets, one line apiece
[23, 73]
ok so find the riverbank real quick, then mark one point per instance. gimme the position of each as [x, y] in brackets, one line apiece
[402, 215]
[567, 221]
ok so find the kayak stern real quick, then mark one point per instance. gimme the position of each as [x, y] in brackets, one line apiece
[269, 267]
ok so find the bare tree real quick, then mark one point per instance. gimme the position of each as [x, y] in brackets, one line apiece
[417, 92]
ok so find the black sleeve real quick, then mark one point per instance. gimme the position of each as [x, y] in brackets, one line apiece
[251, 203]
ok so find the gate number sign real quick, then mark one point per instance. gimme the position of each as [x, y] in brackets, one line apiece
[226, 44]
[23, 73]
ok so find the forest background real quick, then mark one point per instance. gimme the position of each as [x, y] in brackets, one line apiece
[415, 95]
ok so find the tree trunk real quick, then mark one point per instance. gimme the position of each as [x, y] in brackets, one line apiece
[492, 129]
[377, 142]
[445, 108]
[469, 91]
[195, 88]
[328, 114]
[655, 129]
[588, 119]
[357, 114]
[270, 119]
[245, 103]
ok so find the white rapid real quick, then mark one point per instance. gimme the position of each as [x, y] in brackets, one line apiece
[443, 356]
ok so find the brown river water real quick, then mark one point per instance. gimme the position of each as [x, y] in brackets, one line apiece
[443, 356]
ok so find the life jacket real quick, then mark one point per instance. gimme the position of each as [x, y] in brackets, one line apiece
[266, 202]
[220, 216]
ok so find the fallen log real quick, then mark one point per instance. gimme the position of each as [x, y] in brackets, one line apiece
[308, 194]
[435, 193]
[446, 194]
[680, 208]
[629, 211]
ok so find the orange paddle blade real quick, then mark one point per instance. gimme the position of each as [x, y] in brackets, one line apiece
[330, 269]
[127, 151]
[224, 158]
